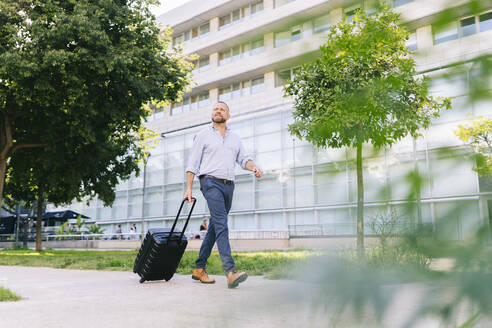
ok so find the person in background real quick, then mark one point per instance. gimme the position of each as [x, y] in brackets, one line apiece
[203, 226]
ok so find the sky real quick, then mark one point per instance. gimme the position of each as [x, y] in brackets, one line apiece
[166, 5]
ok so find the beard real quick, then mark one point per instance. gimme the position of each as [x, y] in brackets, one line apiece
[218, 119]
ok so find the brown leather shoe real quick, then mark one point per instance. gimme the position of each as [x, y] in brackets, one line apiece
[234, 278]
[202, 275]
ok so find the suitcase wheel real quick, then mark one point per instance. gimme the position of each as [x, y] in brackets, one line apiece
[142, 280]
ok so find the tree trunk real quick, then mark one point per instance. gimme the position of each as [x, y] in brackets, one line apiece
[39, 221]
[3, 171]
[360, 204]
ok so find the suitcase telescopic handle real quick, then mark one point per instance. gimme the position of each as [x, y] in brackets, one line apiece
[193, 199]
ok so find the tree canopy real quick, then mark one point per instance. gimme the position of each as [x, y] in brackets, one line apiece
[479, 135]
[364, 88]
[73, 77]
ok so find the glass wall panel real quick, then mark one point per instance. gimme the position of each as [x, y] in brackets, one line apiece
[485, 21]
[173, 195]
[304, 155]
[104, 213]
[445, 33]
[243, 193]
[155, 166]
[268, 192]
[269, 142]
[174, 175]
[119, 206]
[374, 175]
[452, 174]
[400, 166]
[301, 217]
[135, 203]
[449, 86]
[267, 124]
[153, 202]
[457, 220]
[337, 222]
[468, 26]
[269, 160]
[331, 184]
[244, 222]
[271, 221]
[460, 109]
[243, 129]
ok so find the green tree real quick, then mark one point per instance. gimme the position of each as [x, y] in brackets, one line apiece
[362, 89]
[479, 135]
[73, 77]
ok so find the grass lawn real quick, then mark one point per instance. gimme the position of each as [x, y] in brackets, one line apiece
[6, 295]
[274, 264]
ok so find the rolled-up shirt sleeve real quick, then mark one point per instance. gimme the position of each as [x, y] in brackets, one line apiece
[195, 156]
[242, 156]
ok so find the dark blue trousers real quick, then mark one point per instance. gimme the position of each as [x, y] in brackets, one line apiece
[219, 200]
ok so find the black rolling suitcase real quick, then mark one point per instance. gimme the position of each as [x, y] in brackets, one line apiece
[162, 250]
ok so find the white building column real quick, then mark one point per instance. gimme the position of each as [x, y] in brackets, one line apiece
[336, 15]
[213, 95]
[269, 41]
[268, 5]
[214, 25]
[269, 80]
[424, 37]
[214, 60]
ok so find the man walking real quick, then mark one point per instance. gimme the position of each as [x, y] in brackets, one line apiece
[215, 151]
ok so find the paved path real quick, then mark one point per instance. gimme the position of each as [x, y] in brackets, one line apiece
[76, 298]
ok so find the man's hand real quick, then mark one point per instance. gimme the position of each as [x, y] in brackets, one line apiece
[188, 195]
[257, 172]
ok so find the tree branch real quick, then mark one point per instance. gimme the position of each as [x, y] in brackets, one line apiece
[18, 147]
[8, 138]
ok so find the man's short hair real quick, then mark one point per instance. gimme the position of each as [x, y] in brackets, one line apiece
[223, 102]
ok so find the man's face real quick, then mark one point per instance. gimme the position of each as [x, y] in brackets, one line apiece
[220, 113]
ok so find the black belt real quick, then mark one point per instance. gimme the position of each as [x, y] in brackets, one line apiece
[224, 181]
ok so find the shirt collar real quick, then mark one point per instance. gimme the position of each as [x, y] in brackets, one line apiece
[214, 128]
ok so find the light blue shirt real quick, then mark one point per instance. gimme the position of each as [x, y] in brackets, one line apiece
[213, 155]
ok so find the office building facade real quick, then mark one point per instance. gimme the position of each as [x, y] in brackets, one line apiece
[248, 50]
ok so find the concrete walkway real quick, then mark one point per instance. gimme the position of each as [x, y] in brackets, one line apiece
[76, 298]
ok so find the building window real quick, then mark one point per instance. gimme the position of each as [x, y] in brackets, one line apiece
[257, 85]
[321, 23]
[204, 29]
[397, 3]
[202, 64]
[194, 33]
[318, 25]
[239, 14]
[282, 38]
[256, 8]
[445, 33]
[191, 103]
[411, 43]
[241, 51]
[240, 89]
[296, 33]
[464, 27]
[279, 3]
[257, 47]
[468, 26]
[284, 76]
[485, 21]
